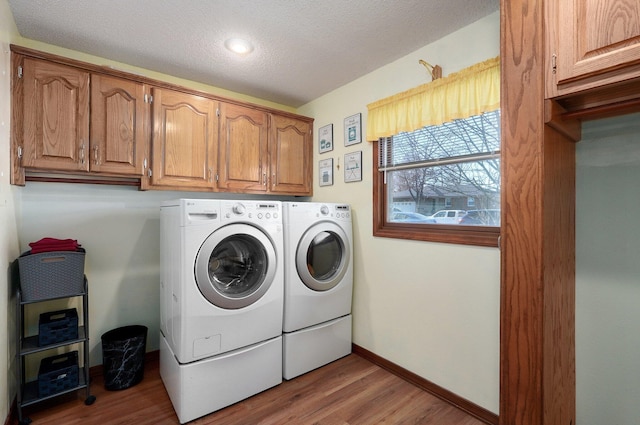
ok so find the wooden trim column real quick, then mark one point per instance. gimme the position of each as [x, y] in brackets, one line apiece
[537, 360]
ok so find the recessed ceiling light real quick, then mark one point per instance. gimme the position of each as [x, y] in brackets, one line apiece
[239, 46]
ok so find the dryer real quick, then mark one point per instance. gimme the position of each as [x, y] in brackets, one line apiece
[221, 295]
[318, 285]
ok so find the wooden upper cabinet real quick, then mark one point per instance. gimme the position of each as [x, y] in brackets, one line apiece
[290, 147]
[184, 141]
[55, 107]
[78, 118]
[243, 161]
[591, 43]
[118, 125]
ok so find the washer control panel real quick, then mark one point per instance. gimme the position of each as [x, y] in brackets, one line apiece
[252, 210]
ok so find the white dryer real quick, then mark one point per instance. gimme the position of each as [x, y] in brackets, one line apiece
[318, 285]
[222, 282]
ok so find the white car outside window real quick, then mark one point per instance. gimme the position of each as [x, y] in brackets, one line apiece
[448, 216]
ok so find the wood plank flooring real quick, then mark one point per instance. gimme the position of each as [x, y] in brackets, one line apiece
[350, 391]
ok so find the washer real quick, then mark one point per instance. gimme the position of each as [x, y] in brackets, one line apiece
[221, 295]
[318, 285]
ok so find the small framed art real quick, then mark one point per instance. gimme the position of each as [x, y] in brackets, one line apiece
[325, 138]
[352, 130]
[353, 167]
[325, 168]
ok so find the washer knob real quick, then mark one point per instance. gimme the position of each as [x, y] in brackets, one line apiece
[238, 209]
[324, 210]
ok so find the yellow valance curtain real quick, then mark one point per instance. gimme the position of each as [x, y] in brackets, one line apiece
[472, 91]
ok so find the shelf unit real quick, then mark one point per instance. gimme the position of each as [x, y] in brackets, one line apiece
[27, 345]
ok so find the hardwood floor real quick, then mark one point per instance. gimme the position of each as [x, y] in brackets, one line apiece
[350, 391]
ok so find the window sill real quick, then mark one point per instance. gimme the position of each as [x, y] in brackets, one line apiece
[463, 235]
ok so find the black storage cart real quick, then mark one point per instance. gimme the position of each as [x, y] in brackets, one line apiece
[60, 373]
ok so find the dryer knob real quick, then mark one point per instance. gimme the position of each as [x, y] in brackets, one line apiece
[238, 209]
[324, 210]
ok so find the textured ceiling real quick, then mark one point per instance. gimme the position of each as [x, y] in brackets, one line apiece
[302, 48]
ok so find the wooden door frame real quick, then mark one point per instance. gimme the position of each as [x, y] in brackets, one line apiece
[537, 299]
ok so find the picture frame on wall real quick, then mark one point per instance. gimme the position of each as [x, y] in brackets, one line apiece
[325, 168]
[353, 130]
[353, 167]
[325, 138]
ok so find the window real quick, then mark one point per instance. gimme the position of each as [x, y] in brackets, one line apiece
[451, 166]
[438, 148]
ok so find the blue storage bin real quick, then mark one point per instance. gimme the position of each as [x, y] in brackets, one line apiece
[58, 373]
[58, 326]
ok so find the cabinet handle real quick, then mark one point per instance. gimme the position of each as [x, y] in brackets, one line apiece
[264, 179]
[95, 154]
[82, 152]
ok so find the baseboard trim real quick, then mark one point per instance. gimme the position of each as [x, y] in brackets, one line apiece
[472, 409]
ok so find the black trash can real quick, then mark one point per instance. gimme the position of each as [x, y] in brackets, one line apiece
[123, 352]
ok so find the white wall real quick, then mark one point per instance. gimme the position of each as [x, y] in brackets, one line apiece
[607, 272]
[8, 230]
[431, 308]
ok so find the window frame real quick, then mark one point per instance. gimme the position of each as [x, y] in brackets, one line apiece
[444, 233]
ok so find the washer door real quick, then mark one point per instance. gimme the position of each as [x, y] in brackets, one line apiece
[322, 257]
[235, 266]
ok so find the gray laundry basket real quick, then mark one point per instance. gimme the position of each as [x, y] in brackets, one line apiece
[123, 351]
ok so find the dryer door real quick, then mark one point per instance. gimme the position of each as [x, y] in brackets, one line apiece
[235, 266]
[323, 256]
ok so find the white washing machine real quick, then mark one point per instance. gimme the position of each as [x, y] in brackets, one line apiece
[318, 285]
[221, 295]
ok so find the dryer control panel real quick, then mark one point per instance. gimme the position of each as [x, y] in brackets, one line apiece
[342, 211]
[310, 212]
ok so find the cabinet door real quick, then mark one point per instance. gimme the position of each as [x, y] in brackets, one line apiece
[56, 117]
[118, 135]
[185, 131]
[290, 152]
[598, 42]
[243, 149]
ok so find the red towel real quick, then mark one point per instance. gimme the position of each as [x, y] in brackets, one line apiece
[52, 244]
